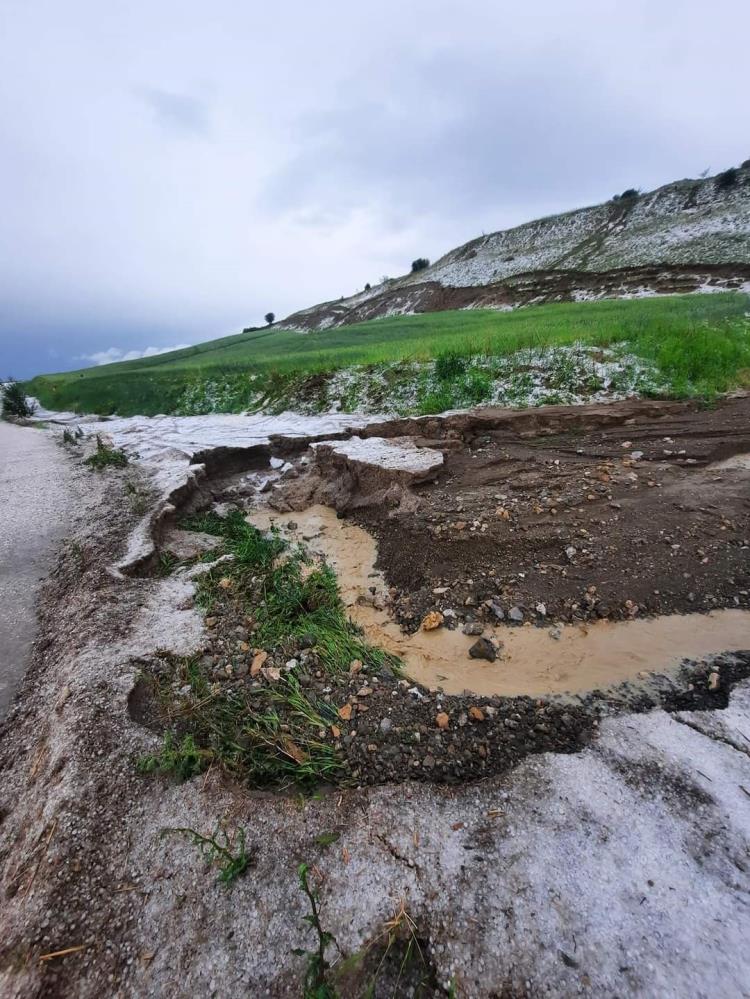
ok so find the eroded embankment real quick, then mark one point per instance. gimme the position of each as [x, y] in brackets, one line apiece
[481, 652]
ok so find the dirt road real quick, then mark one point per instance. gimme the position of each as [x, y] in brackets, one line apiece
[33, 486]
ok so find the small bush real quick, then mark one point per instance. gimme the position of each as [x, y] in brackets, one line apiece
[269, 318]
[368, 286]
[727, 178]
[449, 364]
[629, 194]
[106, 456]
[420, 264]
[15, 402]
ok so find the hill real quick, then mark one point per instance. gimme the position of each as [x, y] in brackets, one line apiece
[686, 236]
[566, 352]
[389, 348]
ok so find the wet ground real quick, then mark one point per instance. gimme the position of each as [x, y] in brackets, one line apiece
[532, 661]
[649, 515]
[33, 485]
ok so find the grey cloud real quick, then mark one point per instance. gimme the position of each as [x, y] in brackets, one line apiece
[460, 133]
[180, 113]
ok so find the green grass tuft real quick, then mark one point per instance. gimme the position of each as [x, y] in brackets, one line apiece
[106, 456]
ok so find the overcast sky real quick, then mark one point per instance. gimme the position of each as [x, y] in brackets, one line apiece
[170, 171]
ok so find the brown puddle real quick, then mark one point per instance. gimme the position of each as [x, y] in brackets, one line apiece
[585, 657]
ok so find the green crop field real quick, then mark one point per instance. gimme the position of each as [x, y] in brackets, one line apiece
[699, 344]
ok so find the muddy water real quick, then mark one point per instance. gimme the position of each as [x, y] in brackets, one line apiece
[586, 657]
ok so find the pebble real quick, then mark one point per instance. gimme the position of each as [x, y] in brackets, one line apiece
[515, 614]
[442, 720]
[472, 628]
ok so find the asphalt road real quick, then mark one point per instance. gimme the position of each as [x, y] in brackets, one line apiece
[35, 496]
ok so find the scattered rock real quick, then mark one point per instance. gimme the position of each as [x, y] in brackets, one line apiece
[714, 681]
[515, 614]
[476, 713]
[483, 648]
[442, 720]
[473, 628]
[345, 712]
[432, 620]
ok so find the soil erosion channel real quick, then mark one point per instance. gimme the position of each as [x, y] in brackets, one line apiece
[532, 660]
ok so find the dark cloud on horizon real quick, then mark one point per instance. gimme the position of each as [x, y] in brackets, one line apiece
[171, 173]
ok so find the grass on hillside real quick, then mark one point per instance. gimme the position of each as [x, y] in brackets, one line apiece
[699, 344]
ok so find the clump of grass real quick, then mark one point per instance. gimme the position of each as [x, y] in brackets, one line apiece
[449, 364]
[274, 736]
[106, 456]
[184, 759]
[230, 856]
[137, 497]
[72, 437]
[167, 563]
[436, 401]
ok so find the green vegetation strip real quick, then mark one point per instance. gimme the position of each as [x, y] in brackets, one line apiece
[267, 729]
[698, 343]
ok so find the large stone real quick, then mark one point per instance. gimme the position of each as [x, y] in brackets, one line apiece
[483, 648]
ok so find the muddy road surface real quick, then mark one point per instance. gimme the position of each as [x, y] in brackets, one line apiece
[36, 509]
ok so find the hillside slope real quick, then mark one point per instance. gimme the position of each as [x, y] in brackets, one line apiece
[672, 345]
[686, 236]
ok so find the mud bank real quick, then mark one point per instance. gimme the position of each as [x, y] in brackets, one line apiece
[616, 868]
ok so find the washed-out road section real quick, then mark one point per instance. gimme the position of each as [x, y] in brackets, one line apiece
[35, 495]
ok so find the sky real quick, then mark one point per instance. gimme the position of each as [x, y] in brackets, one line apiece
[171, 171]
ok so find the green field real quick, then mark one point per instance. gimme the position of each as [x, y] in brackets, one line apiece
[698, 344]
